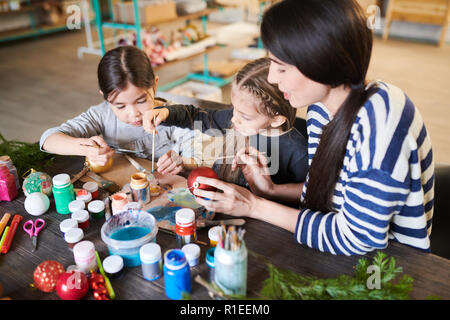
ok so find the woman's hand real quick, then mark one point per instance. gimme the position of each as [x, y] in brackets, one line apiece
[153, 118]
[234, 200]
[171, 163]
[98, 151]
[254, 167]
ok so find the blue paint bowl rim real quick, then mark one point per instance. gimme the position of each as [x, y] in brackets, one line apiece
[130, 244]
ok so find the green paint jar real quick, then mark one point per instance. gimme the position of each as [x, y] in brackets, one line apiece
[63, 192]
[97, 209]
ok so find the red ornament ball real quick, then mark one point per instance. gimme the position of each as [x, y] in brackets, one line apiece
[201, 172]
[46, 275]
[72, 285]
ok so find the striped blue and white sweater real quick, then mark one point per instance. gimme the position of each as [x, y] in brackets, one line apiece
[385, 189]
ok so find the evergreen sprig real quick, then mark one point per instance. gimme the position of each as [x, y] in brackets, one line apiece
[25, 155]
[287, 285]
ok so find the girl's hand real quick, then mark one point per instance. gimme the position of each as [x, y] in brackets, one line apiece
[234, 200]
[159, 115]
[99, 152]
[171, 163]
[254, 167]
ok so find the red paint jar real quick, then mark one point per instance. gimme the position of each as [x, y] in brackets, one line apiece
[82, 216]
[91, 187]
[185, 227]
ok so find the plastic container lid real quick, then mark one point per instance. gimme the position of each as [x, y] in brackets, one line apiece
[80, 216]
[84, 195]
[96, 206]
[61, 179]
[74, 235]
[113, 264]
[150, 252]
[191, 250]
[185, 216]
[84, 249]
[68, 224]
[213, 233]
[76, 205]
[90, 186]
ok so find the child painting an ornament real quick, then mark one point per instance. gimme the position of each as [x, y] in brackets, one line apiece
[128, 85]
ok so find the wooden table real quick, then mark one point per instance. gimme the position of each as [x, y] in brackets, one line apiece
[430, 272]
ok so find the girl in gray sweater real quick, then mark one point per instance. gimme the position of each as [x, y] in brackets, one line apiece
[128, 85]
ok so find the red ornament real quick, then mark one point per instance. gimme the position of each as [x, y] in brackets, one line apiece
[46, 275]
[201, 172]
[97, 283]
[72, 285]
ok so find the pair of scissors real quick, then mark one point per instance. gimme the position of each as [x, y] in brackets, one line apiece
[33, 229]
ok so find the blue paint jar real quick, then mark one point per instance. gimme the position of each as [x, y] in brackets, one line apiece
[151, 261]
[177, 275]
[63, 192]
[210, 263]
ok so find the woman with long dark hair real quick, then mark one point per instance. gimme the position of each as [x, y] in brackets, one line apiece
[371, 175]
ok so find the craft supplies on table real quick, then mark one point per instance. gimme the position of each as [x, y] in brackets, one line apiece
[76, 205]
[140, 190]
[6, 160]
[33, 228]
[8, 188]
[185, 227]
[82, 217]
[126, 232]
[113, 266]
[63, 192]
[73, 236]
[91, 187]
[67, 224]
[97, 209]
[151, 261]
[192, 253]
[11, 233]
[177, 275]
[230, 258]
[37, 203]
[84, 255]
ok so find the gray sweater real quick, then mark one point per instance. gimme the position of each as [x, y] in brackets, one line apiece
[100, 120]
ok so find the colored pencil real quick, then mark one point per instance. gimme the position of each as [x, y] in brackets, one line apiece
[8, 241]
[108, 285]
[4, 221]
[4, 237]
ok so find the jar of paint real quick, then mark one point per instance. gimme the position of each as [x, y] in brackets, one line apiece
[139, 188]
[231, 270]
[6, 160]
[155, 189]
[118, 202]
[192, 253]
[151, 262]
[84, 196]
[84, 255]
[210, 263]
[73, 236]
[97, 209]
[63, 192]
[82, 217]
[8, 188]
[91, 187]
[68, 224]
[213, 235]
[185, 227]
[76, 205]
[113, 266]
[177, 275]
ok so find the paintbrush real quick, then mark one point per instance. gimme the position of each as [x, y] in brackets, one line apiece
[201, 223]
[111, 186]
[224, 157]
[153, 145]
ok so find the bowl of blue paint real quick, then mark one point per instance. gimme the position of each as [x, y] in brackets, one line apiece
[126, 232]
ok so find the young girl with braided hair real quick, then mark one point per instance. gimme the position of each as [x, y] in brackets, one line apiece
[260, 125]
